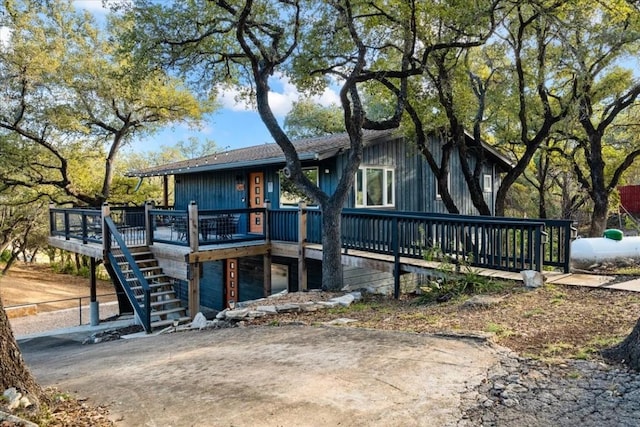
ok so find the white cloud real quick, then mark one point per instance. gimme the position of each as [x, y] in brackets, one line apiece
[5, 36]
[93, 6]
[230, 99]
[281, 99]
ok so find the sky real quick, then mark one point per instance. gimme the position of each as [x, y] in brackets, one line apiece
[236, 124]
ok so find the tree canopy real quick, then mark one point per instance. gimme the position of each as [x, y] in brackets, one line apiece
[70, 92]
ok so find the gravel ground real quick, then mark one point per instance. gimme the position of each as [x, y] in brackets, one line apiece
[521, 392]
[43, 322]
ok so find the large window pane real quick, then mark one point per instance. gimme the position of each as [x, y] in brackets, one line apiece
[289, 193]
[375, 187]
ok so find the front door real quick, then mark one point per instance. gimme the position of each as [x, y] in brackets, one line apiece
[231, 282]
[256, 200]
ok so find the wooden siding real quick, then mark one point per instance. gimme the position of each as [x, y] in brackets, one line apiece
[211, 285]
[250, 278]
[229, 189]
[415, 186]
[250, 282]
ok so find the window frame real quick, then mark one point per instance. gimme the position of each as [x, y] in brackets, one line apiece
[295, 205]
[487, 183]
[388, 172]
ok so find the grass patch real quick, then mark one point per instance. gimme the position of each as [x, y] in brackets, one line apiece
[558, 349]
[359, 306]
[536, 312]
[453, 285]
[628, 271]
[499, 330]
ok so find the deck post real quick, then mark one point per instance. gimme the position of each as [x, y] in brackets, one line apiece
[148, 223]
[93, 304]
[266, 258]
[302, 240]
[194, 268]
[106, 237]
[194, 288]
[192, 226]
[52, 219]
[395, 243]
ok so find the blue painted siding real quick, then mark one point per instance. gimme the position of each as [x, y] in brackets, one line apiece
[415, 184]
[211, 285]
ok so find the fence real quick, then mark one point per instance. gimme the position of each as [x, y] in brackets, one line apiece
[60, 313]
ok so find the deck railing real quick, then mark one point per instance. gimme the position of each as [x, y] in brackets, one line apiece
[86, 224]
[213, 226]
[123, 265]
[498, 243]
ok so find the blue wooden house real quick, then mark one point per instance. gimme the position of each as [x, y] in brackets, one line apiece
[222, 243]
[393, 176]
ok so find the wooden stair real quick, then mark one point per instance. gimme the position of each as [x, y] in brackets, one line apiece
[166, 307]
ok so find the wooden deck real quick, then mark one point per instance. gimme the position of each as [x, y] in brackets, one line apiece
[394, 242]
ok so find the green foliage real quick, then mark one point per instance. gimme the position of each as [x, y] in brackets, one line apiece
[74, 98]
[64, 267]
[499, 330]
[308, 119]
[453, 281]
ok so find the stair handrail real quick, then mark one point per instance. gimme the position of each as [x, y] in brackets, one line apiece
[143, 313]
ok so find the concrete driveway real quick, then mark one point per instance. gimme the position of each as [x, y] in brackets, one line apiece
[268, 376]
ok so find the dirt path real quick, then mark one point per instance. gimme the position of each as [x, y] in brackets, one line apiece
[269, 376]
[35, 283]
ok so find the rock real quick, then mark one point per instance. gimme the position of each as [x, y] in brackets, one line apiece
[253, 314]
[482, 301]
[532, 279]
[309, 306]
[238, 314]
[25, 402]
[12, 420]
[488, 403]
[344, 300]
[199, 322]
[12, 397]
[328, 304]
[509, 403]
[287, 308]
[268, 309]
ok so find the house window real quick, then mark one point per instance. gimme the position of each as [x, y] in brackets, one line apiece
[290, 195]
[438, 196]
[375, 187]
[487, 183]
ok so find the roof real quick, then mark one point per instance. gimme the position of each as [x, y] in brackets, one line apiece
[317, 148]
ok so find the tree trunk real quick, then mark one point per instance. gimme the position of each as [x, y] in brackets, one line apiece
[628, 351]
[13, 371]
[10, 261]
[331, 248]
[599, 215]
